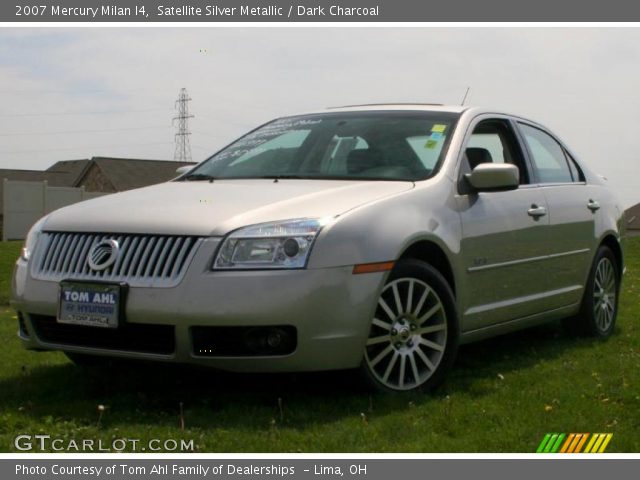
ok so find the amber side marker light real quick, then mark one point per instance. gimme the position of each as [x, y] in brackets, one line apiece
[372, 267]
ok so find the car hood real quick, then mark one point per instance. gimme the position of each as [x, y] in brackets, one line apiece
[203, 208]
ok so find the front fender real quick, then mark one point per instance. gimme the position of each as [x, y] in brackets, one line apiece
[382, 230]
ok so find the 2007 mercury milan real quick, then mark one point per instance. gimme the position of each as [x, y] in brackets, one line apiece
[377, 237]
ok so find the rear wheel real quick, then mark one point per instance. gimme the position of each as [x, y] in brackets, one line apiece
[600, 301]
[413, 336]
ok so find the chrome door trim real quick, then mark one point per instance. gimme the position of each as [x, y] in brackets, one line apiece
[518, 323]
[526, 260]
[520, 300]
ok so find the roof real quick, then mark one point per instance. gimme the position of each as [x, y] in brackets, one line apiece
[63, 176]
[128, 173]
[430, 107]
[122, 173]
[633, 217]
[69, 171]
[26, 175]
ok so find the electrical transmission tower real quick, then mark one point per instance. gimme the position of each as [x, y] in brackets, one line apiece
[183, 147]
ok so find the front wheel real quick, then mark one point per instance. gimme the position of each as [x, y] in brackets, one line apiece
[413, 336]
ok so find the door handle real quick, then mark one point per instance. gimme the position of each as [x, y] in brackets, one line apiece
[536, 212]
[593, 205]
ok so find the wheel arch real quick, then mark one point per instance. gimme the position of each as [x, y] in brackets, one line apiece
[612, 242]
[433, 254]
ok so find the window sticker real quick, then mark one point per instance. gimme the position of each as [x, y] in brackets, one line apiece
[431, 144]
[436, 136]
[439, 128]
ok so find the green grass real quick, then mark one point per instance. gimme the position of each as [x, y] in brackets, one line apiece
[503, 395]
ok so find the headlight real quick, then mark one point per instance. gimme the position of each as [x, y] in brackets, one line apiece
[283, 244]
[31, 240]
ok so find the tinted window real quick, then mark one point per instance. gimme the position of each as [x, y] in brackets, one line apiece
[547, 156]
[494, 141]
[427, 153]
[358, 145]
[490, 142]
[576, 173]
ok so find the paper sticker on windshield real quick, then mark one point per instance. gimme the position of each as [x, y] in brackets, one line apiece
[436, 136]
[438, 127]
[431, 144]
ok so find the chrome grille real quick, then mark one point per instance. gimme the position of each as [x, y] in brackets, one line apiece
[143, 260]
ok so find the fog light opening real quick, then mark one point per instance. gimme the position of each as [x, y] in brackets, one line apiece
[268, 340]
[274, 339]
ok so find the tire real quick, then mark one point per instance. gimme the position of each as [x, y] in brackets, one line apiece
[599, 308]
[413, 338]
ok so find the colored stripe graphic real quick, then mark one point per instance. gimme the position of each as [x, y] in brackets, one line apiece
[568, 442]
[543, 443]
[574, 443]
[556, 446]
[551, 443]
[583, 439]
[598, 442]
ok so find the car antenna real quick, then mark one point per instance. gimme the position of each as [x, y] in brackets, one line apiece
[465, 96]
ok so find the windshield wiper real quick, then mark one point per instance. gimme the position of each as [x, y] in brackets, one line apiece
[284, 176]
[196, 177]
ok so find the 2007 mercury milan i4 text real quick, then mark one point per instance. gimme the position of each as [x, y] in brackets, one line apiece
[377, 237]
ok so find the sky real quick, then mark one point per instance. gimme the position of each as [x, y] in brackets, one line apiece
[70, 93]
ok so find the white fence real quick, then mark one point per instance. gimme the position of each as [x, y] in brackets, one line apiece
[23, 203]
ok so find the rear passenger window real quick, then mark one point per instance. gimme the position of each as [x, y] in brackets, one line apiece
[547, 155]
[576, 173]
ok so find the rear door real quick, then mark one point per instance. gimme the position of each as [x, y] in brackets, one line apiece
[573, 209]
[504, 233]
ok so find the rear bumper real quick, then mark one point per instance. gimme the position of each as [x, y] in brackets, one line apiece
[330, 308]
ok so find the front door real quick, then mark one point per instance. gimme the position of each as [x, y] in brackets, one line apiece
[504, 234]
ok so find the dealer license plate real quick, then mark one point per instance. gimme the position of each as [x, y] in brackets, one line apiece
[90, 304]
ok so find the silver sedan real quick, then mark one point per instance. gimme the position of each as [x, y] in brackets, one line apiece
[376, 237]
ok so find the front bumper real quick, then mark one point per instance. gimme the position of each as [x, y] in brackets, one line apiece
[330, 308]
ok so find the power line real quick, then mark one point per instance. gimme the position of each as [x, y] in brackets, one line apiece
[86, 147]
[227, 138]
[67, 92]
[227, 121]
[84, 131]
[102, 112]
[208, 149]
[56, 92]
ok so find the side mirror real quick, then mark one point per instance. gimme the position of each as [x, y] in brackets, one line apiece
[488, 177]
[183, 170]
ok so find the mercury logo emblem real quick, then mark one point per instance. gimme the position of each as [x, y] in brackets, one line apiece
[103, 254]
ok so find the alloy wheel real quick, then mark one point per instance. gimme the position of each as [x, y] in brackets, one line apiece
[604, 294]
[408, 334]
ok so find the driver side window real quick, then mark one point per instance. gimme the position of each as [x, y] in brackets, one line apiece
[493, 141]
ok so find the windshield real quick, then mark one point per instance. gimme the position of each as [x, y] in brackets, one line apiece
[355, 145]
